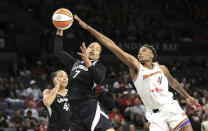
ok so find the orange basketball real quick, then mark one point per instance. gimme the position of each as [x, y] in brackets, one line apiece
[62, 18]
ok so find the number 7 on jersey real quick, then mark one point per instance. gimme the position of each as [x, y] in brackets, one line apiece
[77, 72]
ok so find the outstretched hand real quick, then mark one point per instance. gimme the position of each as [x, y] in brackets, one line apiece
[81, 23]
[191, 101]
[84, 55]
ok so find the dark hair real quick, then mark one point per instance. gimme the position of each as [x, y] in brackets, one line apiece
[29, 111]
[153, 51]
[54, 74]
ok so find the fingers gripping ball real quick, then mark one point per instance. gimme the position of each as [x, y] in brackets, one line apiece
[62, 19]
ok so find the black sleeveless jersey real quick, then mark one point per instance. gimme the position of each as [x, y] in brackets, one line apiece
[59, 112]
[82, 82]
[81, 78]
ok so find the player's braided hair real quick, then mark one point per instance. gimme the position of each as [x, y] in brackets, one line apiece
[153, 51]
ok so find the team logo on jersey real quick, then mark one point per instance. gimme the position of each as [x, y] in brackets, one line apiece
[62, 100]
[151, 74]
[157, 90]
[82, 67]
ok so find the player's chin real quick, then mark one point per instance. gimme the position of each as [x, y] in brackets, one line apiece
[91, 58]
[65, 84]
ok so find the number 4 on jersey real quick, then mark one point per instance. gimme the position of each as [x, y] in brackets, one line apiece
[66, 106]
[159, 80]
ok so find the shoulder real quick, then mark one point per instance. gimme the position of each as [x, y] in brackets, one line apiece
[46, 91]
[98, 63]
[164, 69]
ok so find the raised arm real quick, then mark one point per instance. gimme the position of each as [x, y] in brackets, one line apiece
[63, 56]
[176, 85]
[50, 95]
[128, 59]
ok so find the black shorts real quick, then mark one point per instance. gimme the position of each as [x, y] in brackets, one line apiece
[89, 116]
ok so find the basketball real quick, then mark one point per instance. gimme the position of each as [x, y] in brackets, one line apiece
[62, 18]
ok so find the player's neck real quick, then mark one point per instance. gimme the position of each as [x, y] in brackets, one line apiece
[148, 65]
[61, 90]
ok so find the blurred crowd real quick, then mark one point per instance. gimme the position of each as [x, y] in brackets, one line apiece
[21, 94]
[143, 21]
[195, 10]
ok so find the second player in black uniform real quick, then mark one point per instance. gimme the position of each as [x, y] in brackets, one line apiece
[56, 101]
[87, 115]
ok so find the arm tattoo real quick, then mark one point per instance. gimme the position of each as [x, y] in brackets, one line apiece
[176, 85]
[171, 80]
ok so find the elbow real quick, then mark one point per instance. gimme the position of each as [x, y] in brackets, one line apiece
[46, 103]
[99, 80]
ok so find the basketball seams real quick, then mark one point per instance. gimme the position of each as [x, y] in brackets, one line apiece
[64, 11]
[64, 15]
[62, 21]
[62, 18]
[62, 24]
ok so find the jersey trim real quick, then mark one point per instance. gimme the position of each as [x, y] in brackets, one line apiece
[137, 75]
[49, 110]
[66, 90]
[94, 62]
[96, 118]
[177, 126]
[104, 114]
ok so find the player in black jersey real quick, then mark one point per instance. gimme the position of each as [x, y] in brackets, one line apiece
[86, 111]
[56, 101]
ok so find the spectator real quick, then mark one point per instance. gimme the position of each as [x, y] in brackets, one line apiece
[127, 85]
[31, 99]
[28, 126]
[116, 123]
[4, 122]
[45, 116]
[32, 123]
[32, 110]
[2, 89]
[20, 91]
[114, 113]
[125, 102]
[138, 111]
[17, 120]
[34, 90]
[204, 124]
[39, 71]
[25, 73]
[43, 125]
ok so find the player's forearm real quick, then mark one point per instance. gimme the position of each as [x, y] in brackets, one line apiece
[58, 46]
[102, 38]
[63, 56]
[124, 57]
[51, 97]
[176, 85]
